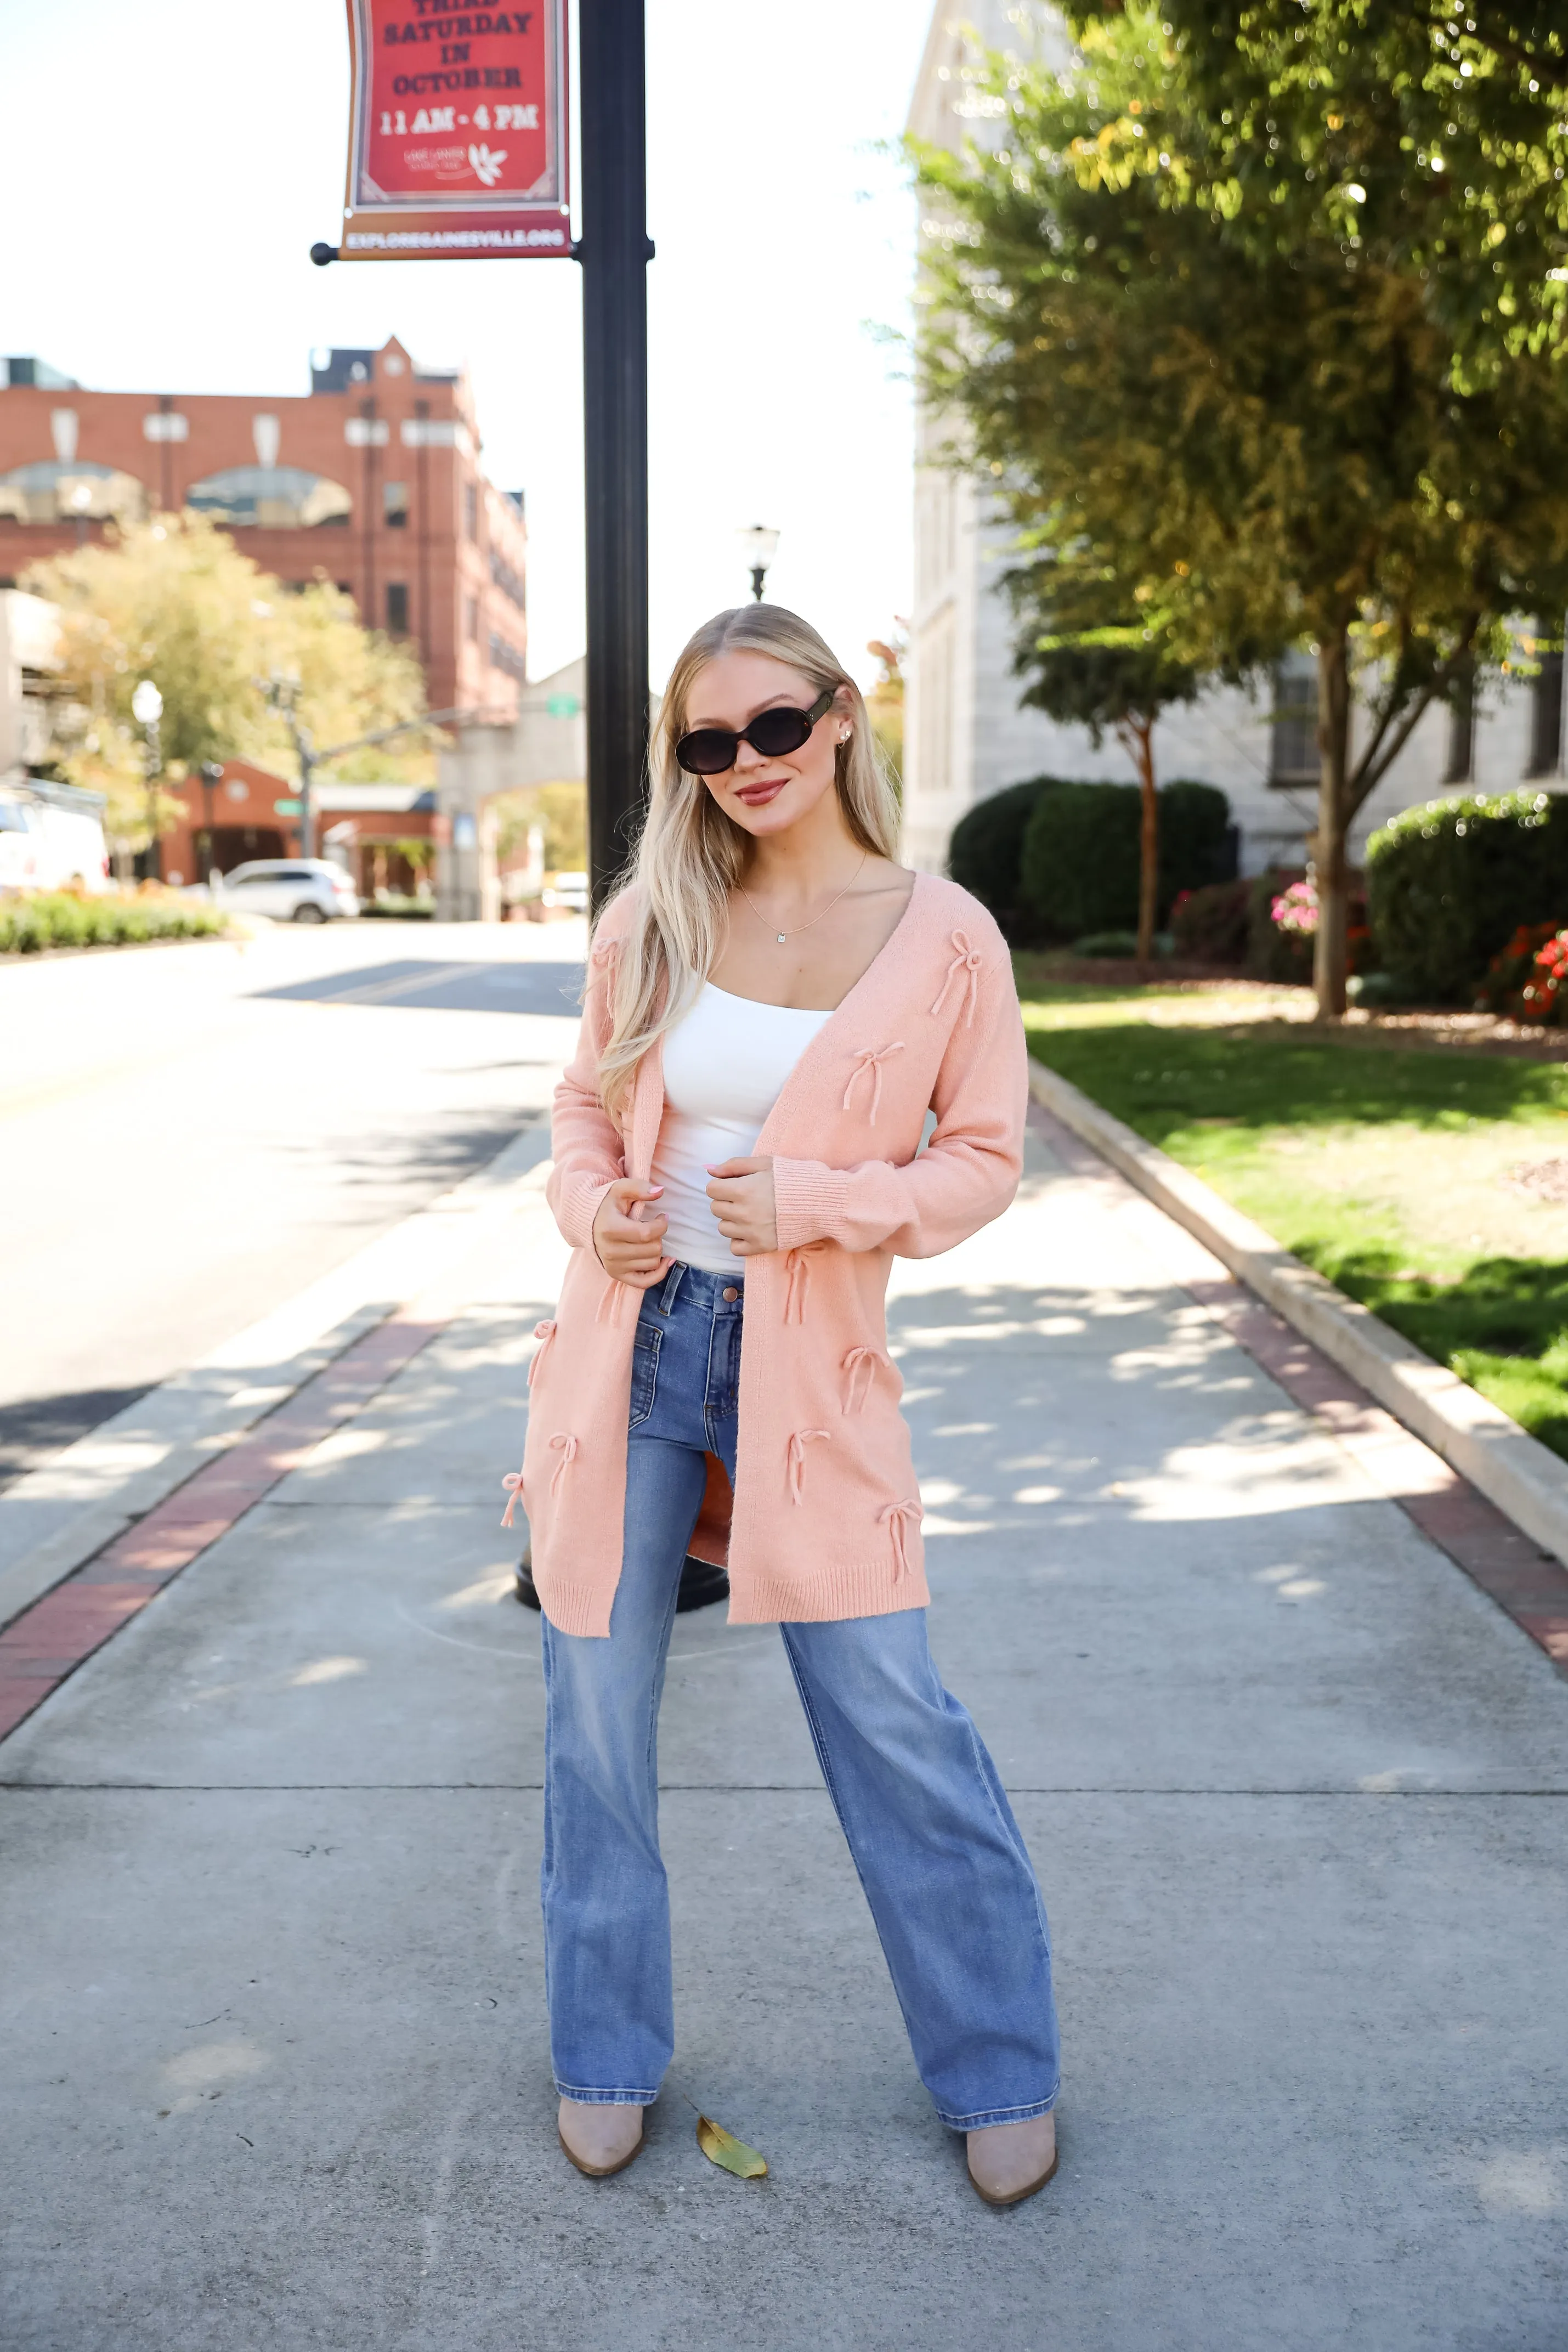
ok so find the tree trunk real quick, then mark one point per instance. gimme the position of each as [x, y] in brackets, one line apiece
[1143, 734]
[1330, 862]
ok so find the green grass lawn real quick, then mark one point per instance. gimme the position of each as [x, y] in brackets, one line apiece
[1421, 1182]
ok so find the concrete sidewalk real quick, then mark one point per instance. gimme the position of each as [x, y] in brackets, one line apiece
[271, 1969]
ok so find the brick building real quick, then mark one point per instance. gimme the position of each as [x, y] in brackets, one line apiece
[372, 480]
[384, 835]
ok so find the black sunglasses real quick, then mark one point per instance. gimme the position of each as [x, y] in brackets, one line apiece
[711, 750]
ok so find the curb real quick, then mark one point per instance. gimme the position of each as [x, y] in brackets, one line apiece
[1522, 1478]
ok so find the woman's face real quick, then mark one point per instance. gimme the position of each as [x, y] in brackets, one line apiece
[765, 796]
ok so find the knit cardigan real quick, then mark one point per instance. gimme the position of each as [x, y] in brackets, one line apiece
[824, 1521]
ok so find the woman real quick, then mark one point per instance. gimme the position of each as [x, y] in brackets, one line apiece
[773, 1005]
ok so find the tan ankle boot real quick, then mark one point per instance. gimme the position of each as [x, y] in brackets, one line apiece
[1008, 2162]
[599, 2139]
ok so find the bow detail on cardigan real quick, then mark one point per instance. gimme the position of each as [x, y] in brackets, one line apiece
[965, 968]
[798, 1270]
[870, 1058]
[895, 1518]
[857, 1389]
[796, 1458]
[513, 1483]
[544, 1333]
[605, 953]
[567, 1448]
[609, 1309]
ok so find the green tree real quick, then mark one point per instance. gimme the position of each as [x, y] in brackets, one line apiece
[1435, 134]
[561, 812]
[1088, 663]
[885, 703]
[1270, 433]
[176, 601]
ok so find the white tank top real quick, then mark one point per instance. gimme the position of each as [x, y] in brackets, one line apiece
[724, 1067]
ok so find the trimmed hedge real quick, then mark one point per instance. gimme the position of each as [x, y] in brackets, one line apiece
[55, 919]
[984, 854]
[1449, 883]
[1080, 853]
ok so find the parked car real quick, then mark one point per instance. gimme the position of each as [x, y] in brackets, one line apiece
[290, 890]
[568, 890]
[51, 838]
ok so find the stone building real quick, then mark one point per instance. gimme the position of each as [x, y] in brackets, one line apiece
[966, 735]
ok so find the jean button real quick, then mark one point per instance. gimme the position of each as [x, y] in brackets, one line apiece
[731, 1295]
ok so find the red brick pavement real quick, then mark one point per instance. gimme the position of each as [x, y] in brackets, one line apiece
[49, 1640]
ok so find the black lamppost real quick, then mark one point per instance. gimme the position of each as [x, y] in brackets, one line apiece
[614, 252]
[759, 545]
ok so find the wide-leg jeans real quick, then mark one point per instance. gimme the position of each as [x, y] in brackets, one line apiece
[939, 1854]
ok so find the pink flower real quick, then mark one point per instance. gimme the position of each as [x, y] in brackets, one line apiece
[1295, 910]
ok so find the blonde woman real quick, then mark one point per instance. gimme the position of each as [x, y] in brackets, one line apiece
[773, 1005]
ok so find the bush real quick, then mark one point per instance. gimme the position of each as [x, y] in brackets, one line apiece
[1117, 946]
[1081, 853]
[1210, 924]
[1512, 970]
[1271, 953]
[56, 918]
[1451, 883]
[986, 854]
[1198, 841]
[1283, 951]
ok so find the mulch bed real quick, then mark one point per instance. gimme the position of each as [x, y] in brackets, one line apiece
[1442, 1027]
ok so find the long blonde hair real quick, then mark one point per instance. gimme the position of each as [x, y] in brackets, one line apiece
[690, 853]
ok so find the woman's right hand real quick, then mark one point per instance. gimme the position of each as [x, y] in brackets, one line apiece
[628, 1247]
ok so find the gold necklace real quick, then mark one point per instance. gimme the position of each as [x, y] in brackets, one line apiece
[784, 937]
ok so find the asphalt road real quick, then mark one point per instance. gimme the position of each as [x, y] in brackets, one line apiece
[189, 1134]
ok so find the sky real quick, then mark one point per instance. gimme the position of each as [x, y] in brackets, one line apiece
[165, 170]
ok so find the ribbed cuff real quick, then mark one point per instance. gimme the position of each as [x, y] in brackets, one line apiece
[576, 1206]
[809, 1201]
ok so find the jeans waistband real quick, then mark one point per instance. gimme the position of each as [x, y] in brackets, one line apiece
[697, 1288]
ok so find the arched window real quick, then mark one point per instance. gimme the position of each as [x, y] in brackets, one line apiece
[55, 491]
[274, 498]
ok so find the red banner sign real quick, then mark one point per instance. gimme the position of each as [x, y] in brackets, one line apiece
[457, 137]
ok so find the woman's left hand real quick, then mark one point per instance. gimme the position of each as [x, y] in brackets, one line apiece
[742, 1196]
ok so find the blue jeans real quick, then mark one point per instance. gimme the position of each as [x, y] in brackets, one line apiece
[939, 1854]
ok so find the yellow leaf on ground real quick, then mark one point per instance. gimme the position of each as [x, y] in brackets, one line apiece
[731, 2155]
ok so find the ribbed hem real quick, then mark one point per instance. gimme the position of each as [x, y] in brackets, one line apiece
[809, 1201]
[848, 1589]
[582, 1609]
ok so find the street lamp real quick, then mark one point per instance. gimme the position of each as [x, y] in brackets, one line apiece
[759, 545]
[212, 776]
[146, 710]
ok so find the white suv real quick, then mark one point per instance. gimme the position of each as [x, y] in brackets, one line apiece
[291, 890]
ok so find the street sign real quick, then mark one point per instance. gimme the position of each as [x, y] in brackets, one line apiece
[562, 706]
[458, 132]
[284, 808]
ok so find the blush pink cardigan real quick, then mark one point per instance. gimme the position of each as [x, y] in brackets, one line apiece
[824, 1521]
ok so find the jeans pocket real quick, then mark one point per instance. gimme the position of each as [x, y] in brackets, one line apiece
[645, 1373]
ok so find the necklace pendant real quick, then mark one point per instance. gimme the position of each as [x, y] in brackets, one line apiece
[782, 937]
